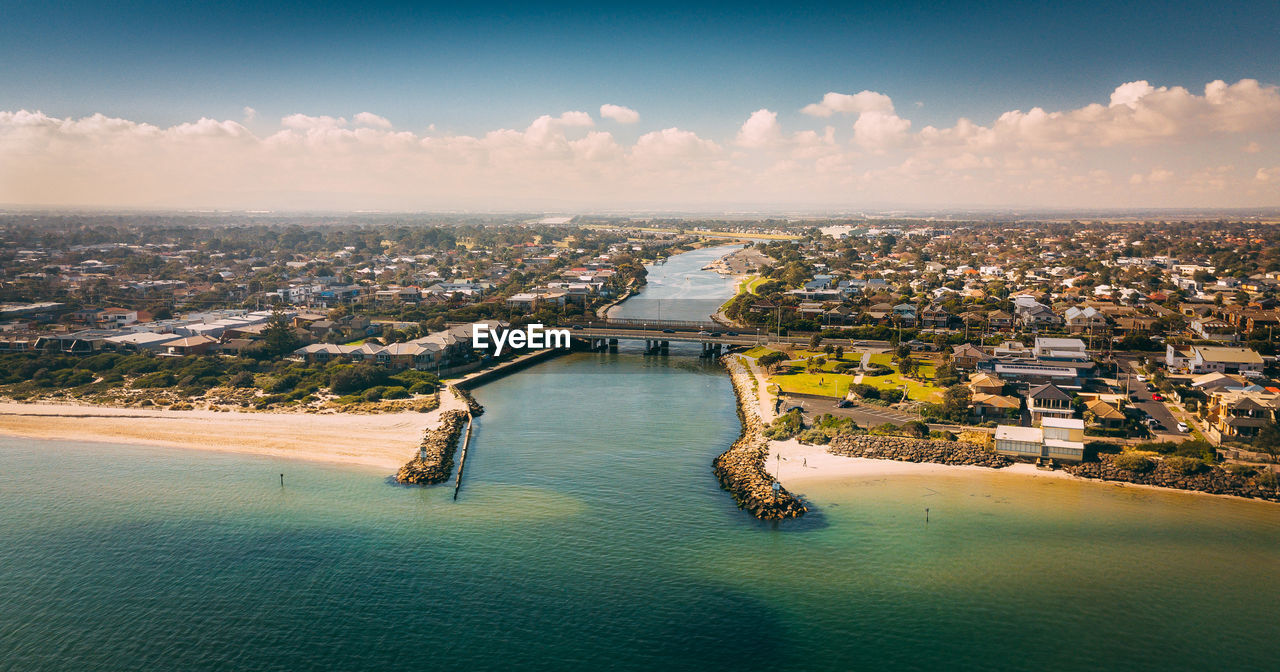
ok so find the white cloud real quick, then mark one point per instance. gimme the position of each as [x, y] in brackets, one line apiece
[620, 114]
[371, 120]
[858, 103]
[673, 144]
[1146, 145]
[761, 129]
[880, 130]
[249, 113]
[1130, 93]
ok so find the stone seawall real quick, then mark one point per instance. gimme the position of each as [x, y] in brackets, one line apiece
[741, 468]
[434, 461]
[1214, 480]
[473, 406]
[906, 449]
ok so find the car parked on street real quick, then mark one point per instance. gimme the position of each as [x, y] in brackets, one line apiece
[1156, 396]
[1182, 427]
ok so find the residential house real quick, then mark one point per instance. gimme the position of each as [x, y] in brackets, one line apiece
[1235, 414]
[1085, 320]
[1048, 401]
[1060, 348]
[985, 383]
[905, 314]
[935, 317]
[1211, 329]
[967, 356]
[189, 345]
[1036, 315]
[1104, 414]
[999, 319]
[994, 405]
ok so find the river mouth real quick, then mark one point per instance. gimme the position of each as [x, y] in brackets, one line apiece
[590, 534]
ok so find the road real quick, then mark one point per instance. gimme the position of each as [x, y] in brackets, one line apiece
[866, 416]
[1140, 397]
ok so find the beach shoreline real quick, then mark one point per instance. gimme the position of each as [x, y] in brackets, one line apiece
[382, 441]
[797, 465]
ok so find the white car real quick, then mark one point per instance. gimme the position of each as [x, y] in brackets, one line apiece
[1182, 427]
[1141, 378]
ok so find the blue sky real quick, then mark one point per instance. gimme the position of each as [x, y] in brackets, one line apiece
[475, 68]
[422, 106]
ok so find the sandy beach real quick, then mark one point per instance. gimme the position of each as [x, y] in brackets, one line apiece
[384, 441]
[802, 464]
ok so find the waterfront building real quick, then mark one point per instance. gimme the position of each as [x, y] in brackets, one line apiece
[1054, 439]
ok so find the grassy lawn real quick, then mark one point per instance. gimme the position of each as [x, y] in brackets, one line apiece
[356, 342]
[758, 352]
[753, 282]
[826, 384]
[918, 391]
[837, 385]
[797, 380]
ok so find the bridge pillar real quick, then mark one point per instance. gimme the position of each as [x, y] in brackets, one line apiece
[665, 345]
[613, 345]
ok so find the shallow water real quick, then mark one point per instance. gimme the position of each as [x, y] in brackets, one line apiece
[590, 534]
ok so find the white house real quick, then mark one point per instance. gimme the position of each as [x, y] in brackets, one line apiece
[1060, 348]
[1054, 439]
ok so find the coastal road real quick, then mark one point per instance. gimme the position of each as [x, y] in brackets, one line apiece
[1140, 397]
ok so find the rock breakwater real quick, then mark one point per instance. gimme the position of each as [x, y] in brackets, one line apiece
[434, 461]
[1213, 480]
[906, 449]
[741, 468]
[472, 405]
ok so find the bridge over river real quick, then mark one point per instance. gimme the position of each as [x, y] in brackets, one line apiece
[713, 336]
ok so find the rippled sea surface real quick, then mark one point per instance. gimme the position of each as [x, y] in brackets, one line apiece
[590, 534]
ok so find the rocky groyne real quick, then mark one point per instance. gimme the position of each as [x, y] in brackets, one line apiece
[434, 461]
[472, 405]
[906, 449]
[1213, 480]
[741, 468]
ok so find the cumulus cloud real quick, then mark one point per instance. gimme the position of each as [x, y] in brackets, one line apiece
[761, 129]
[1145, 145]
[880, 130]
[620, 114]
[858, 103]
[371, 120]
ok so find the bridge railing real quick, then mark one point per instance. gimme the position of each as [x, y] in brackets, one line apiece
[630, 323]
